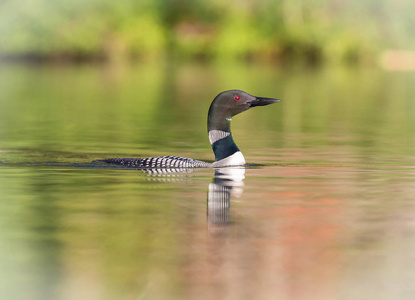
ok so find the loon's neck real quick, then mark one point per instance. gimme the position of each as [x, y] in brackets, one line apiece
[221, 140]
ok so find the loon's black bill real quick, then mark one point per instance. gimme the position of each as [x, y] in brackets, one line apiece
[260, 101]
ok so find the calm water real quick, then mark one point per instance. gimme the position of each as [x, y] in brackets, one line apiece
[327, 211]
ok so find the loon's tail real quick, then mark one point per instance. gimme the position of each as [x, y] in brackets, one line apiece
[159, 162]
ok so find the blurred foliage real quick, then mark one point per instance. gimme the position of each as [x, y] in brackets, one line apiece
[313, 30]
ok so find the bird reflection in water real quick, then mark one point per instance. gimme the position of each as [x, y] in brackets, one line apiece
[226, 183]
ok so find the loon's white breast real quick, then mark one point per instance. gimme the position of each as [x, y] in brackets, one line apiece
[236, 159]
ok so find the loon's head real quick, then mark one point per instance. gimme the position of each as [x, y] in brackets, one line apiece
[230, 103]
[226, 105]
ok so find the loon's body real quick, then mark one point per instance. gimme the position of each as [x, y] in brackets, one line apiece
[225, 105]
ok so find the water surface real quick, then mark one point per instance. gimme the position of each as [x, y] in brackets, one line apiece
[325, 210]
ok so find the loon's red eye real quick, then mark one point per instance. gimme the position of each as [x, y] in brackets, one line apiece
[237, 98]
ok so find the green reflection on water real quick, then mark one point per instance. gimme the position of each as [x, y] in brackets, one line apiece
[63, 228]
[342, 141]
[157, 109]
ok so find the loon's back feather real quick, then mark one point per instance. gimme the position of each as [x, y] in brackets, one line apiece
[159, 162]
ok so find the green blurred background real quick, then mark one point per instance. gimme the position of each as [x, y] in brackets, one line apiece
[313, 31]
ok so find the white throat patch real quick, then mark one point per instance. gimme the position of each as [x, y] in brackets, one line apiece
[216, 135]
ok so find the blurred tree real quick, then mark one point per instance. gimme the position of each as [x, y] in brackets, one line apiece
[312, 30]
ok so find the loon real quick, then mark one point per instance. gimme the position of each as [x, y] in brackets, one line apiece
[225, 105]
